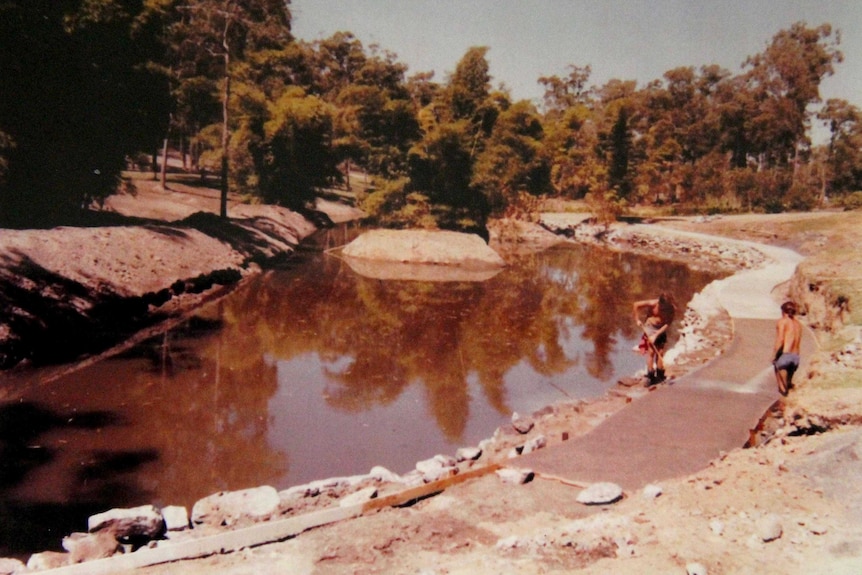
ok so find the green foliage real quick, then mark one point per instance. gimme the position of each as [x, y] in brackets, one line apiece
[852, 201]
[295, 156]
[513, 159]
[277, 116]
[607, 206]
[77, 99]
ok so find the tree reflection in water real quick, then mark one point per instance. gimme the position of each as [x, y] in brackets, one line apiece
[561, 316]
[316, 371]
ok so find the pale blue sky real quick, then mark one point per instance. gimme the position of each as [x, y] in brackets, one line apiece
[623, 39]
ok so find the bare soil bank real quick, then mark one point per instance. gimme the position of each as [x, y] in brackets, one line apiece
[70, 292]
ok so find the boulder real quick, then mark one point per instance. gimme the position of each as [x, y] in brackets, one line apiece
[47, 560]
[522, 424]
[176, 518]
[422, 255]
[143, 521]
[89, 546]
[515, 476]
[380, 473]
[652, 491]
[436, 247]
[537, 442]
[435, 464]
[600, 494]
[226, 507]
[468, 454]
[8, 566]
[769, 528]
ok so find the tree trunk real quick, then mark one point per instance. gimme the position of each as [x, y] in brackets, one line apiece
[225, 133]
[165, 164]
[155, 163]
[347, 173]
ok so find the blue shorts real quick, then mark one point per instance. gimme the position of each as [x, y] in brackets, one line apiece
[787, 361]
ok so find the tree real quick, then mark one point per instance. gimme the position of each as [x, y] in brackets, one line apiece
[73, 108]
[785, 79]
[620, 145]
[564, 93]
[296, 156]
[513, 159]
[212, 37]
[844, 151]
[469, 86]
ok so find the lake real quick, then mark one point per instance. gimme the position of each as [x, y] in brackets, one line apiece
[314, 371]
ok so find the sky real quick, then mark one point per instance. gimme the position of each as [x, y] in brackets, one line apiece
[619, 39]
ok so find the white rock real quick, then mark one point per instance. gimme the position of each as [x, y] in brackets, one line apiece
[47, 560]
[382, 474]
[769, 527]
[537, 442]
[468, 454]
[413, 478]
[515, 476]
[299, 492]
[510, 542]
[695, 569]
[225, 507]
[143, 521]
[522, 424]
[8, 566]
[89, 546]
[600, 493]
[446, 460]
[360, 496]
[652, 491]
[176, 517]
[817, 528]
[438, 474]
[427, 466]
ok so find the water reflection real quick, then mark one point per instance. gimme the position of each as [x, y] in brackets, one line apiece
[315, 371]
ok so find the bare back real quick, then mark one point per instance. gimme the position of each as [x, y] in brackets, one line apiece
[789, 335]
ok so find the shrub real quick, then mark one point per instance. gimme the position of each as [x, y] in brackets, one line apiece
[852, 201]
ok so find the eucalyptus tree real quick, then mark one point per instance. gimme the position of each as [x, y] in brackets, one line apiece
[571, 91]
[785, 80]
[209, 39]
[844, 149]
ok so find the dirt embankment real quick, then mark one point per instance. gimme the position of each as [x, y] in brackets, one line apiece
[69, 292]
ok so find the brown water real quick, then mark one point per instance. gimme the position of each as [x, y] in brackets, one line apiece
[315, 371]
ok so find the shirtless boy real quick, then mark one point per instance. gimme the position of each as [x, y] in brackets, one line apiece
[785, 353]
[659, 315]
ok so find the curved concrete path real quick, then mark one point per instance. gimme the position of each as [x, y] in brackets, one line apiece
[678, 428]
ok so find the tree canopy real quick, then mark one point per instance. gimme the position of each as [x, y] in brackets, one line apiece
[226, 84]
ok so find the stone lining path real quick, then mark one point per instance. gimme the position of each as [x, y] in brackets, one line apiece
[677, 428]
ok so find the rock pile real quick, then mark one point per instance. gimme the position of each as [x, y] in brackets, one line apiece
[123, 531]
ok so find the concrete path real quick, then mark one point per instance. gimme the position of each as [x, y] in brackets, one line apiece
[678, 428]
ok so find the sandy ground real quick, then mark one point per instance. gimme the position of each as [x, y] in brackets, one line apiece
[789, 505]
